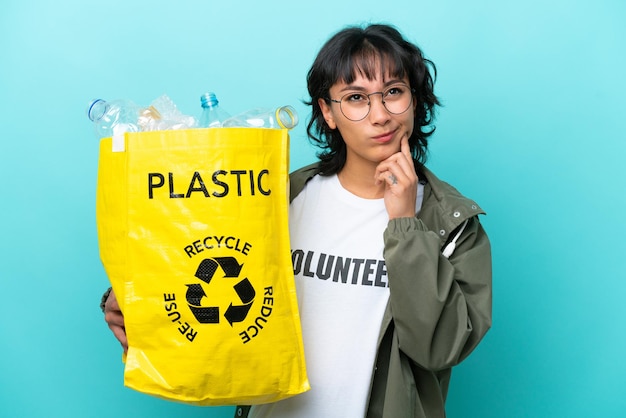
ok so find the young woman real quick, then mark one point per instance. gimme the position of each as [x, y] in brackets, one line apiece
[393, 268]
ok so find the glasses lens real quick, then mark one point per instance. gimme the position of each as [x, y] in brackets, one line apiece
[396, 99]
[355, 106]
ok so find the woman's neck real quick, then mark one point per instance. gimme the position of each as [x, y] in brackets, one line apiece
[359, 180]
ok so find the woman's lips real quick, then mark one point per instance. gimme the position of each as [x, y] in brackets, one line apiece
[386, 137]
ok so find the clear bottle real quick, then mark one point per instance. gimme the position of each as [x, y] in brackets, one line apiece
[212, 114]
[114, 117]
[283, 117]
[163, 114]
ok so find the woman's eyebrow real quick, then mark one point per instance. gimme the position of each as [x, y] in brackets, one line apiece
[356, 87]
[352, 87]
[395, 81]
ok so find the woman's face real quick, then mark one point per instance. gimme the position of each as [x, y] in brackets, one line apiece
[377, 136]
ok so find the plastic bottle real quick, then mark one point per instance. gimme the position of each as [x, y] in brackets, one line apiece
[162, 114]
[114, 117]
[283, 117]
[212, 114]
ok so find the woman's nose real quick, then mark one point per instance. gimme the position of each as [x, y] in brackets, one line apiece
[378, 111]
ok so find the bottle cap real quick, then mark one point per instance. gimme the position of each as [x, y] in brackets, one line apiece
[208, 99]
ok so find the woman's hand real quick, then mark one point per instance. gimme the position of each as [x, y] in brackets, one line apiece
[398, 174]
[115, 319]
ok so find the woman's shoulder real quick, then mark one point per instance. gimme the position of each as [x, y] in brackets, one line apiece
[299, 178]
[307, 171]
[446, 197]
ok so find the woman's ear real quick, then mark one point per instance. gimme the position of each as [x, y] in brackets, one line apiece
[327, 113]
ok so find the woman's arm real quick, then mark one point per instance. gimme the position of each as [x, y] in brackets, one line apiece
[441, 307]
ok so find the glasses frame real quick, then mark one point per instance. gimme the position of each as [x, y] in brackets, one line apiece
[369, 101]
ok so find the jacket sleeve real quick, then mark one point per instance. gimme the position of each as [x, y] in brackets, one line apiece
[441, 307]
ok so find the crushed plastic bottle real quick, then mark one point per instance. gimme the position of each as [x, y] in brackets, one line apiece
[119, 116]
[162, 114]
[283, 117]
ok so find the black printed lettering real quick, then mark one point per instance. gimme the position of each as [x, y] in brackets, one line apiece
[152, 185]
[173, 195]
[238, 173]
[342, 269]
[253, 331]
[175, 317]
[200, 188]
[368, 270]
[381, 272]
[220, 183]
[245, 182]
[307, 265]
[324, 273]
[356, 262]
[207, 243]
[296, 260]
[265, 192]
[355, 271]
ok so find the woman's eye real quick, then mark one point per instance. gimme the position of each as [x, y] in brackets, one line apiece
[395, 91]
[355, 98]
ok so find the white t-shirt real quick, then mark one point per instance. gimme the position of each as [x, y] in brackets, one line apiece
[342, 289]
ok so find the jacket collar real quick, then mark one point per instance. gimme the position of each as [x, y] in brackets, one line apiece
[444, 208]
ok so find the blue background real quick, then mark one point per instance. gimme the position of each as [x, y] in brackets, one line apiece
[532, 129]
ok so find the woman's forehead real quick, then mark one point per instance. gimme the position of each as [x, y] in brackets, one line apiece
[378, 77]
[373, 67]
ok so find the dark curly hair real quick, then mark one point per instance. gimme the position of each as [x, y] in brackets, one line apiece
[356, 50]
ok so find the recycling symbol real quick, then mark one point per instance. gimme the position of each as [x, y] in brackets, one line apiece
[206, 272]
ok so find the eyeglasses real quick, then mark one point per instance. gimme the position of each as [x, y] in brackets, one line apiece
[356, 106]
